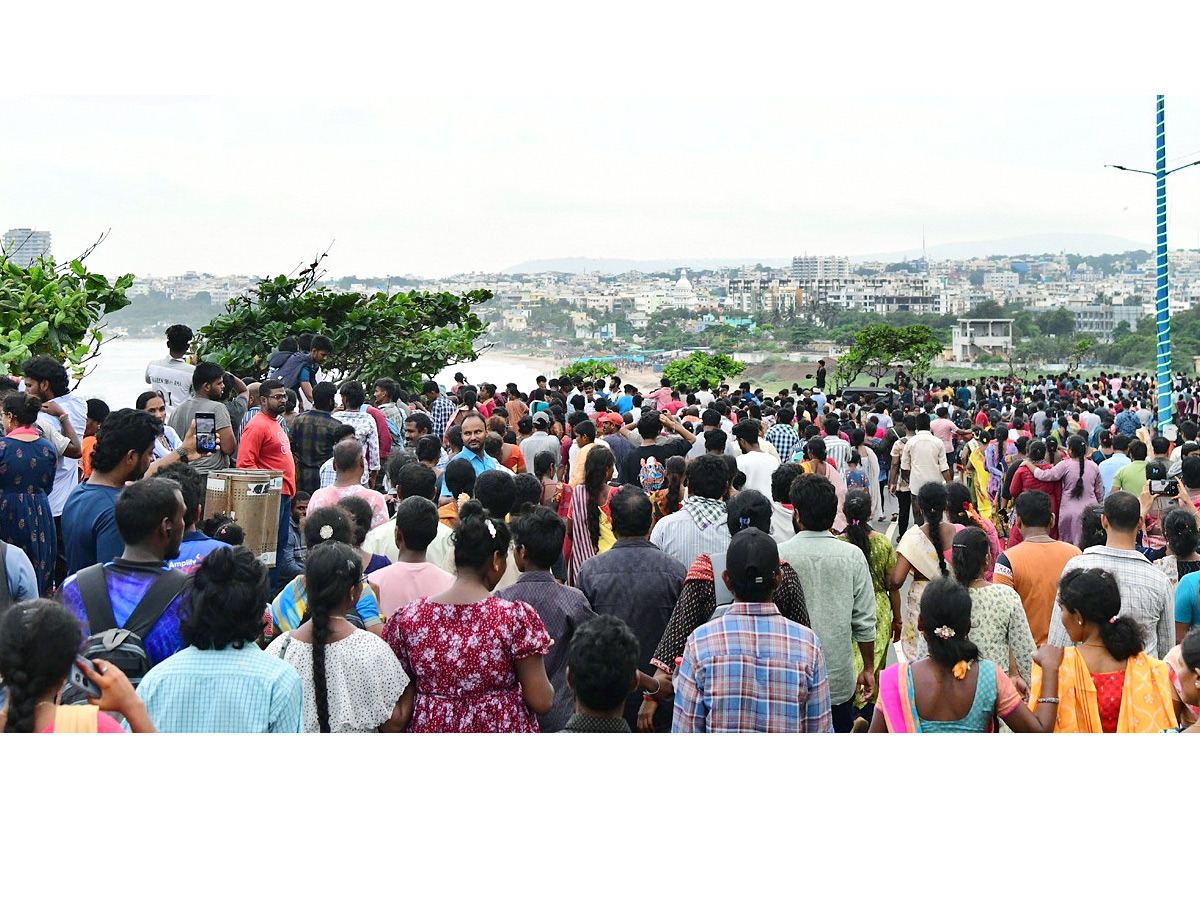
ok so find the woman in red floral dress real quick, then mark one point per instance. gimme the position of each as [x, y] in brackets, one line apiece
[477, 660]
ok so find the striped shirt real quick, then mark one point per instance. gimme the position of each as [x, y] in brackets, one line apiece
[752, 670]
[1146, 596]
[699, 527]
[229, 691]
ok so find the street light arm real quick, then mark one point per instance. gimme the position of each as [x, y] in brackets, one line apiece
[1139, 171]
[1184, 166]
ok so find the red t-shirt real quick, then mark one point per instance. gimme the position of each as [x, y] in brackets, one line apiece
[265, 445]
[385, 436]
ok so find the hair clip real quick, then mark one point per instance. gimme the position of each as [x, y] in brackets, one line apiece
[1112, 621]
[744, 521]
[326, 532]
[349, 565]
[945, 632]
[491, 529]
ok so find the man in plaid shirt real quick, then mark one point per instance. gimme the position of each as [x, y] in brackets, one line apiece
[441, 409]
[752, 670]
[782, 435]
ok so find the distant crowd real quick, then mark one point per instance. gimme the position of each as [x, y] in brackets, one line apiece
[597, 556]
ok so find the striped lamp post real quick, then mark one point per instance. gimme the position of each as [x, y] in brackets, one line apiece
[1166, 411]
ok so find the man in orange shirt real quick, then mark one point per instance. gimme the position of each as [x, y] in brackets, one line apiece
[1033, 570]
[265, 445]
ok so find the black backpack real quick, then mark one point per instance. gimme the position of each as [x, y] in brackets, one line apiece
[289, 372]
[122, 647]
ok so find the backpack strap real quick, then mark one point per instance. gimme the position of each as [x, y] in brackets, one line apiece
[154, 602]
[724, 595]
[5, 593]
[93, 589]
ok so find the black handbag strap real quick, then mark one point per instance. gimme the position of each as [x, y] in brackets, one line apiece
[93, 589]
[160, 595]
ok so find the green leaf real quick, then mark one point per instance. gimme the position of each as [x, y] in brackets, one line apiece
[77, 268]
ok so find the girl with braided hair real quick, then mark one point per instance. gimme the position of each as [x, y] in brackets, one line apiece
[352, 681]
[1081, 486]
[923, 552]
[881, 559]
[39, 640]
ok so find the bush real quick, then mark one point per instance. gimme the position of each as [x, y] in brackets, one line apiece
[715, 368]
[589, 368]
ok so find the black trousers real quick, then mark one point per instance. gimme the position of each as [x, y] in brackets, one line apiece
[904, 501]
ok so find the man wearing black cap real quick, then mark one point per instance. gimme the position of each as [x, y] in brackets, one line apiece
[752, 670]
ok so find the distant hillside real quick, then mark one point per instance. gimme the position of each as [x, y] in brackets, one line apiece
[1029, 245]
[578, 265]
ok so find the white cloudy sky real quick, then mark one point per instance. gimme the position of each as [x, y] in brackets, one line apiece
[436, 161]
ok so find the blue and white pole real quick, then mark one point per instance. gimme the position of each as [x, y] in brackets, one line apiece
[1166, 409]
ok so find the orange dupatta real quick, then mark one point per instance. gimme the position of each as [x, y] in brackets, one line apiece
[1146, 703]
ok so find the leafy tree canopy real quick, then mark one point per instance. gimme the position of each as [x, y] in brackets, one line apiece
[406, 336]
[56, 310]
[878, 349]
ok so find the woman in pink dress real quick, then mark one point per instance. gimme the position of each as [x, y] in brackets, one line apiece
[1081, 487]
[477, 660]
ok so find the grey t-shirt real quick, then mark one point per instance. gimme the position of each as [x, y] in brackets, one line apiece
[181, 421]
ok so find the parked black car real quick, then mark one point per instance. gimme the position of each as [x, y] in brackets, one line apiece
[869, 396]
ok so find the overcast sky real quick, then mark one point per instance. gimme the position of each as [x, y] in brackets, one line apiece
[435, 185]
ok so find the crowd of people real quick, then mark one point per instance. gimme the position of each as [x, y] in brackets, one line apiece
[598, 556]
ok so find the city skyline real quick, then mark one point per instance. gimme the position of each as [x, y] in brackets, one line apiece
[461, 185]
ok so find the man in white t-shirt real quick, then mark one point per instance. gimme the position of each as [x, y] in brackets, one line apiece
[171, 376]
[756, 464]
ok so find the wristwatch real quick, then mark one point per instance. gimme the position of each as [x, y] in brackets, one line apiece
[183, 454]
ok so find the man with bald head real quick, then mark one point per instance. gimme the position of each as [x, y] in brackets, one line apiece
[348, 463]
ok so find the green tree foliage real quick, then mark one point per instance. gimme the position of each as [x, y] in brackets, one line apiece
[56, 310]
[406, 336]
[878, 349]
[717, 368]
[988, 309]
[1079, 351]
[589, 369]
[1058, 322]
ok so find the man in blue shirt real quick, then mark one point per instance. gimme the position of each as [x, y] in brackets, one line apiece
[196, 544]
[1128, 421]
[474, 430]
[625, 401]
[149, 516]
[124, 450]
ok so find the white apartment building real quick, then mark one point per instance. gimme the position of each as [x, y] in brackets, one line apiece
[25, 246]
[1005, 281]
[1100, 320]
[812, 267]
[972, 337]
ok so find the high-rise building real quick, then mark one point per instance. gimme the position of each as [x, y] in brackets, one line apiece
[24, 245]
[812, 267]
